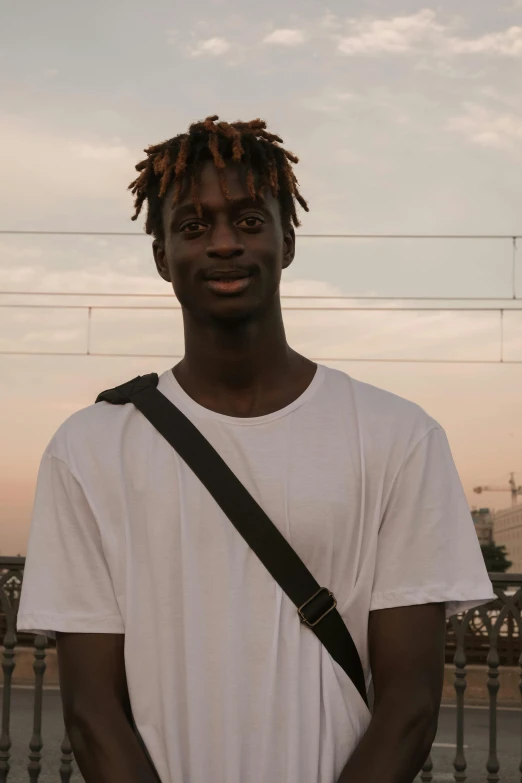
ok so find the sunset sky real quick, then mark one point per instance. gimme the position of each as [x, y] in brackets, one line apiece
[407, 120]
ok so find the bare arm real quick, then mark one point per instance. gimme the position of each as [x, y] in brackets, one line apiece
[406, 648]
[97, 710]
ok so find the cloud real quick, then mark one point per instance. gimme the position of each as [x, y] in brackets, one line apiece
[344, 96]
[89, 278]
[507, 43]
[395, 35]
[328, 102]
[212, 46]
[285, 37]
[309, 288]
[44, 168]
[331, 22]
[338, 334]
[505, 98]
[423, 33]
[319, 104]
[448, 67]
[102, 152]
[488, 129]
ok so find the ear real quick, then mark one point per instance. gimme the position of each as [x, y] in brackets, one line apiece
[288, 246]
[160, 258]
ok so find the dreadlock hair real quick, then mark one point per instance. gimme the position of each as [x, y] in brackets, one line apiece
[181, 158]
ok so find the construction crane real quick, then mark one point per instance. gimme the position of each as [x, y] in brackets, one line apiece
[515, 491]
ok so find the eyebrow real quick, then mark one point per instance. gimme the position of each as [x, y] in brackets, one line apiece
[235, 205]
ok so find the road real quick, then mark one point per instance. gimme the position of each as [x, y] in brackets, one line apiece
[476, 738]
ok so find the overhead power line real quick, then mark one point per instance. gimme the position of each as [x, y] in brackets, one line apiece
[452, 309]
[503, 237]
[376, 360]
[300, 308]
[330, 297]
[306, 236]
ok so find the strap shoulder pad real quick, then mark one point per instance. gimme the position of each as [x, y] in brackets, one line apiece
[121, 395]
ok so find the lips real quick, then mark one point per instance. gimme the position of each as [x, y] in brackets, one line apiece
[229, 285]
[228, 281]
[227, 274]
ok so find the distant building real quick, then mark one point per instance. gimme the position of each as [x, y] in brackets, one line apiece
[507, 526]
[483, 519]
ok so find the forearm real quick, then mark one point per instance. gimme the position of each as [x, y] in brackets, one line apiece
[396, 743]
[108, 751]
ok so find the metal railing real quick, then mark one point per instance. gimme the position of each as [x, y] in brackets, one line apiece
[490, 635]
[495, 631]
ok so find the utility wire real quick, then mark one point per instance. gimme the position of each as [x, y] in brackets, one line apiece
[307, 236]
[90, 308]
[330, 297]
[512, 237]
[314, 359]
[342, 297]
[344, 308]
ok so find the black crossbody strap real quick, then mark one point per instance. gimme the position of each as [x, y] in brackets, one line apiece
[316, 605]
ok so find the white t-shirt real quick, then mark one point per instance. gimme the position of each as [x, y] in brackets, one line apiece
[226, 684]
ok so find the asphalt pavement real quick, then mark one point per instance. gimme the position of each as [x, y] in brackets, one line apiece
[509, 723]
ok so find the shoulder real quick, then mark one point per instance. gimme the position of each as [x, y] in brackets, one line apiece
[95, 437]
[95, 432]
[385, 421]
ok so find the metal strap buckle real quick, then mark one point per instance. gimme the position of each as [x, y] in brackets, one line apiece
[305, 620]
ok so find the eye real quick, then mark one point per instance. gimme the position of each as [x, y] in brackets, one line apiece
[192, 227]
[252, 218]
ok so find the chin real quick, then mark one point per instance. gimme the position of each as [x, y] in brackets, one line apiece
[235, 312]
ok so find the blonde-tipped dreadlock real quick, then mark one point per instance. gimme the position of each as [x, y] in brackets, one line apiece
[179, 158]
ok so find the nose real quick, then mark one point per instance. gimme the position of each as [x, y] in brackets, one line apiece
[224, 243]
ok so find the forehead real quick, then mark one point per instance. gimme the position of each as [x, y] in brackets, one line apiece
[210, 191]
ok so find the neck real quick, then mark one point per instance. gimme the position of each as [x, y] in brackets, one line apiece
[235, 359]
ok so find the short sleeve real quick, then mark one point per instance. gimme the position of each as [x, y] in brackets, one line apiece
[66, 584]
[428, 550]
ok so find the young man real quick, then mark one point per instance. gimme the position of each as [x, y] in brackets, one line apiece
[180, 657]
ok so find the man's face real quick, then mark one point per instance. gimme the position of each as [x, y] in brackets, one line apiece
[227, 265]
